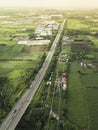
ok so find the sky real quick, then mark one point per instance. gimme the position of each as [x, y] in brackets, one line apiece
[50, 3]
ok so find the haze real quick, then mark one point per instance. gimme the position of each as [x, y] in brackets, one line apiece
[50, 3]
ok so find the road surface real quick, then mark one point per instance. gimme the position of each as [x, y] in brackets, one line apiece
[20, 107]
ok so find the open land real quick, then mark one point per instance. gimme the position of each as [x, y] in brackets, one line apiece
[68, 95]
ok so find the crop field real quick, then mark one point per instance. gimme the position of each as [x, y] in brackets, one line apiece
[92, 102]
[34, 49]
[61, 67]
[91, 85]
[77, 106]
[80, 47]
[83, 81]
[76, 100]
[18, 63]
[66, 49]
[21, 52]
[82, 100]
[79, 99]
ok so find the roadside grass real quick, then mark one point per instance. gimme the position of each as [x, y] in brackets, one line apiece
[56, 103]
[77, 111]
[36, 100]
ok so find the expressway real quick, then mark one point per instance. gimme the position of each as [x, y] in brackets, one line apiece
[20, 107]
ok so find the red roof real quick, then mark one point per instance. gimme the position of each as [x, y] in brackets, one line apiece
[64, 80]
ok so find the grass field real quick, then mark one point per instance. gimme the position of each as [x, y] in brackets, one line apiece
[92, 102]
[17, 65]
[76, 24]
[83, 97]
[82, 88]
[66, 49]
[91, 84]
[61, 67]
[77, 111]
[21, 52]
[94, 40]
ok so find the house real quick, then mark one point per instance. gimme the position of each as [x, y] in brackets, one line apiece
[45, 28]
[46, 32]
[64, 80]
[55, 26]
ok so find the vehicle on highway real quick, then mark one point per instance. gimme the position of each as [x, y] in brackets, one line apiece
[15, 111]
[30, 86]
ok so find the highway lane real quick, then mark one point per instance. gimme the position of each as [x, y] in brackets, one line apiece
[20, 107]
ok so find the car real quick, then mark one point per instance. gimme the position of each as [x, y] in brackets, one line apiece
[30, 86]
[15, 110]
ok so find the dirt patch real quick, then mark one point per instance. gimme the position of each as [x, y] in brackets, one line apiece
[95, 36]
[92, 65]
[33, 49]
[81, 42]
[80, 48]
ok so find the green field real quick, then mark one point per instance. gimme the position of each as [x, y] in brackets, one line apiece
[91, 84]
[77, 111]
[83, 82]
[18, 66]
[92, 102]
[62, 67]
[18, 63]
[66, 49]
[77, 106]
[20, 52]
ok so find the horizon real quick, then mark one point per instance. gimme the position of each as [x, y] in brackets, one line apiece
[50, 4]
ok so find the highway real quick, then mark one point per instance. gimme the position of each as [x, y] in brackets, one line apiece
[20, 107]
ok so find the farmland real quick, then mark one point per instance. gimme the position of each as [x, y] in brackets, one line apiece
[82, 82]
[78, 58]
[75, 59]
[19, 64]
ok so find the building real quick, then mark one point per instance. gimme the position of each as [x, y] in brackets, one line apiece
[64, 81]
[46, 28]
[64, 86]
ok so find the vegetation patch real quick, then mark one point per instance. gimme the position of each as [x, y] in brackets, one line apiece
[34, 49]
[77, 111]
[92, 98]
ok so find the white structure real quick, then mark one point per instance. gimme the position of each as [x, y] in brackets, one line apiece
[54, 115]
[34, 42]
[48, 82]
[64, 86]
[67, 60]
[46, 32]
[81, 64]
[45, 28]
